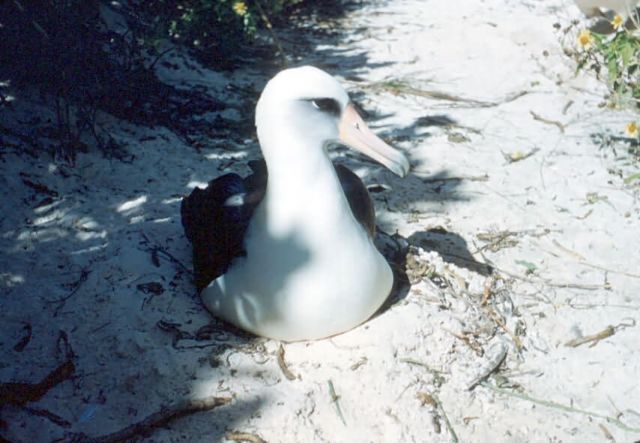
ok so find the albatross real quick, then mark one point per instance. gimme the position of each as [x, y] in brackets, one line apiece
[288, 252]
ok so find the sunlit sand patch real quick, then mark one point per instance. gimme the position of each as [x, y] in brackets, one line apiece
[132, 204]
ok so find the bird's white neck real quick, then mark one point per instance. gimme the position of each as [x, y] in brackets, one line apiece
[303, 190]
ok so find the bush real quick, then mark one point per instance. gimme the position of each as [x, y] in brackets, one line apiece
[216, 29]
[66, 50]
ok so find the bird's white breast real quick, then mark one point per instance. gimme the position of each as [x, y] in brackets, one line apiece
[307, 274]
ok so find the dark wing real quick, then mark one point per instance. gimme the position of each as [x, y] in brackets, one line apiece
[359, 199]
[215, 220]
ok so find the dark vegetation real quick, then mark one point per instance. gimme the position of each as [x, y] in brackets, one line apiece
[85, 56]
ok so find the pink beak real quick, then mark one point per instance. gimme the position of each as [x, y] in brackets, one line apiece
[355, 133]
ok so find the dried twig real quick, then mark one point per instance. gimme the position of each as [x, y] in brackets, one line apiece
[594, 339]
[54, 418]
[359, 363]
[415, 362]
[244, 436]
[518, 155]
[335, 399]
[283, 365]
[533, 279]
[486, 290]
[157, 249]
[472, 178]
[547, 121]
[469, 419]
[20, 394]
[554, 405]
[157, 420]
[427, 399]
[452, 432]
[583, 261]
[586, 287]
[606, 433]
[613, 271]
[497, 241]
[438, 376]
[497, 318]
[158, 57]
[75, 287]
[400, 87]
[24, 341]
[35, 24]
[568, 251]
[469, 339]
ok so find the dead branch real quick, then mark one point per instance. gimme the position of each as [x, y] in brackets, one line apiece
[244, 436]
[473, 178]
[550, 404]
[20, 394]
[497, 318]
[75, 287]
[403, 88]
[606, 433]
[155, 250]
[586, 287]
[606, 332]
[157, 420]
[469, 340]
[547, 121]
[54, 418]
[283, 365]
[583, 261]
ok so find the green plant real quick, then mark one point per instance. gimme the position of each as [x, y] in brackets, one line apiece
[617, 55]
[214, 28]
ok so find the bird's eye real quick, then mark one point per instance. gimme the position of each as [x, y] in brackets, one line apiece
[328, 105]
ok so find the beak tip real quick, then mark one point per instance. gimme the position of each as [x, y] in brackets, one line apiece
[354, 133]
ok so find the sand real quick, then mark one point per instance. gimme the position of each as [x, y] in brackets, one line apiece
[517, 168]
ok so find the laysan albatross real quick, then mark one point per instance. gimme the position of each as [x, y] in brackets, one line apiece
[288, 253]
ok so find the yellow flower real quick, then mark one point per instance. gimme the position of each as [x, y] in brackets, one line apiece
[632, 130]
[585, 39]
[240, 8]
[617, 22]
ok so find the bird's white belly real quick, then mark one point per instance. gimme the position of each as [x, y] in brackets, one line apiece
[288, 290]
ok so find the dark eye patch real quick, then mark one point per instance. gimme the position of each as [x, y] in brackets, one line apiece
[328, 105]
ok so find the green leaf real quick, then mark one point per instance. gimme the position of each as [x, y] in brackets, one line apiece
[626, 53]
[530, 267]
[633, 177]
[581, 64]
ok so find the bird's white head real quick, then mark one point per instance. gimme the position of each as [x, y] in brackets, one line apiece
[306, 103]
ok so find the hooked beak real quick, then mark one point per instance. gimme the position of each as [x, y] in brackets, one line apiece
[355, 133]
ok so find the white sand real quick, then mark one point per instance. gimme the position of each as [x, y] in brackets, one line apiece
[571, 216]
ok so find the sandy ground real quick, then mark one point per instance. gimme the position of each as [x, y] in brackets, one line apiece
[93, 256]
